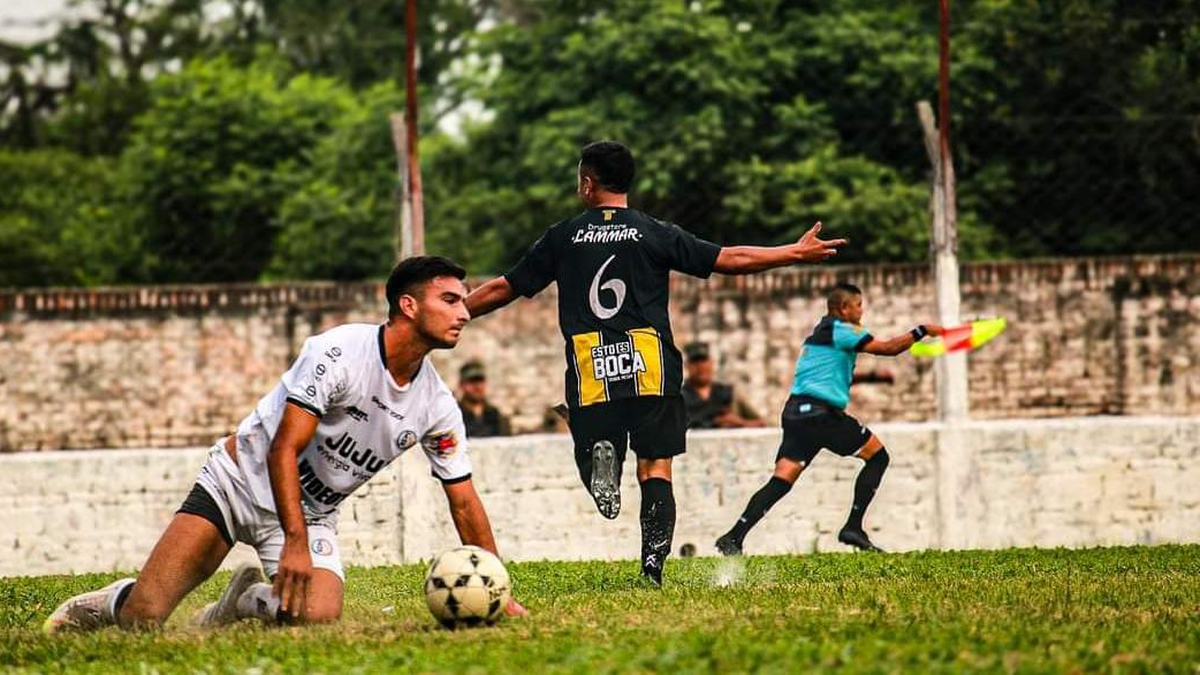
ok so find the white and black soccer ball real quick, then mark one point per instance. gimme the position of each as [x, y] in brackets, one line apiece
[466, 586]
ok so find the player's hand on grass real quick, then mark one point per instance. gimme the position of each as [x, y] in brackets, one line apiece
[813, 249]
[515, 608]
[292, 579]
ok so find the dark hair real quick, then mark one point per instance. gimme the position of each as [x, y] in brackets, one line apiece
[610, 163]
[412, 272]
[839, 294]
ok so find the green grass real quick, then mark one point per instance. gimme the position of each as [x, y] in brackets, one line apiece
[1097, 610]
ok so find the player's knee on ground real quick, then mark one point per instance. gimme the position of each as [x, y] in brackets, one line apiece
[325, 598]
[327, 613]
[144, 612]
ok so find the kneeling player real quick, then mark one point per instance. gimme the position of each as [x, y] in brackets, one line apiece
[357, 397]
[814, 416]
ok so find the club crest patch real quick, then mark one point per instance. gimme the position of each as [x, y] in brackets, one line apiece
[322, 547]
[406, 439]
[442, 443]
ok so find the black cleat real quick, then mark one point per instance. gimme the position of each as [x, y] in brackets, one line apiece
[858, 539]
[652, 569]
[727, 545]
[605, 487]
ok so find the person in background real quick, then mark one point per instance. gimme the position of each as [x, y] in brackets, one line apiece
[712, 404]
[481, 417]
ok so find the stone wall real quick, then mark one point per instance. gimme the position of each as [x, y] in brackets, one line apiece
[984, 484]
[163, 366]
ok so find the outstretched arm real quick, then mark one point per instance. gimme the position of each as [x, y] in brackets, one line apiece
[489, 297]
[751, 259]
[471, 521]
[896, 345]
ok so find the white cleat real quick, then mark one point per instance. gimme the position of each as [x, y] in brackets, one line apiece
[87, 611]
[224, 611]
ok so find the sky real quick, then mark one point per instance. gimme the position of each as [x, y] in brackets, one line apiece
[29, 20]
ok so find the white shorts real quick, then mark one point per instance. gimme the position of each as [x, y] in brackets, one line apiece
[251, 524]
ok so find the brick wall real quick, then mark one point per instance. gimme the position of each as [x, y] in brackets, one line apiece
[983, 484]
[164, 366]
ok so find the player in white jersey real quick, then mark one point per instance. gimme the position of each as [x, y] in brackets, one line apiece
[357, 397]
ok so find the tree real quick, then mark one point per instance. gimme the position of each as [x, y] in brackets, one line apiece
[61, 221]
[735, 138]
[209, 164]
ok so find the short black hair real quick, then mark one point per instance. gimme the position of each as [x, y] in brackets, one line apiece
[412, 272]
[610, 163]
[839, 294]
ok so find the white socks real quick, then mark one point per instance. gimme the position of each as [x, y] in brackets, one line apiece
[257, 602]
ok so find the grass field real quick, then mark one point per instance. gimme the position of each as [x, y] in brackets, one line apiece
[1098, 610]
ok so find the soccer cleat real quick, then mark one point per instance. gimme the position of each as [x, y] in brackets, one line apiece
[87, 611]
[652, 569]
[224, 611]
[858, 539]
[605, 487]
[727, 545]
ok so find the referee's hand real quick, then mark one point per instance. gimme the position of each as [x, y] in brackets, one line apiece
[813, 249]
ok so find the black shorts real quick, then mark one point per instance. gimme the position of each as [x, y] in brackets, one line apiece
[200, 503]
[654, 427]
[810, 424]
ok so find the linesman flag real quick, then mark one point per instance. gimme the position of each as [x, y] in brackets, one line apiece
[967, 337]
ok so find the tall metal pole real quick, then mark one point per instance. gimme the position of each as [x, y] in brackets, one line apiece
[953, 392]
[410, 119]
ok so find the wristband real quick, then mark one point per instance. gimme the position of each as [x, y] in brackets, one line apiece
[918, 333]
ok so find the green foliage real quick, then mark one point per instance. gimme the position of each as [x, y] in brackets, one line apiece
[253, 140]
[209, 164]
[61, 221]
[338, 216]
[1096, 610]
[730, 115]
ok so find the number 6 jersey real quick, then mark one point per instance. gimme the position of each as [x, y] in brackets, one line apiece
[612, 266]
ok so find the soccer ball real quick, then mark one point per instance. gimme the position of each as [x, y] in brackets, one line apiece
[466, 586]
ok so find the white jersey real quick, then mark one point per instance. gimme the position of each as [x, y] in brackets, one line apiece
[366, 420]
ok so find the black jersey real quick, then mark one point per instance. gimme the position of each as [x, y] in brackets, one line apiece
[612, 267]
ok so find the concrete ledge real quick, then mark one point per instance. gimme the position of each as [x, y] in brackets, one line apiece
[989, 484]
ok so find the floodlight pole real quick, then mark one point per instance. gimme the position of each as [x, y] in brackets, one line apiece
[951, 369]
[415, 229]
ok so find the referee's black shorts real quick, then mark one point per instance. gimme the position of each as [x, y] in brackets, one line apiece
[810, 424]
[654, 427]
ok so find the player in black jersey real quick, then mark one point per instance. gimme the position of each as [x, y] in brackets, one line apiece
[624, 372]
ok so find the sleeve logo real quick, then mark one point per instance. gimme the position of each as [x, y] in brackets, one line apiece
[442, 443]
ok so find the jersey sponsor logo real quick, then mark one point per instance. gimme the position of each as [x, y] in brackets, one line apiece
[316, 488]
[406, 440]
[385, 407]
[347, 448]
[638, 358]
[442, 443]
[616, 362]
[356, 414]
[609, 233]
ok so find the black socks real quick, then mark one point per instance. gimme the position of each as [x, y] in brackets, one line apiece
[759, 504]
[864, 488]
[658, 525]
